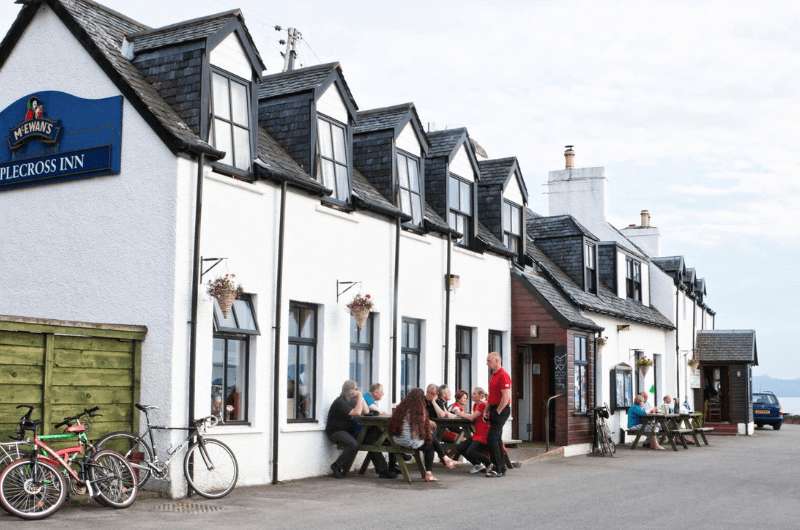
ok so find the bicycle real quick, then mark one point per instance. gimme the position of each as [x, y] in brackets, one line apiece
[213, 478]
[603, 443]
[36, 487]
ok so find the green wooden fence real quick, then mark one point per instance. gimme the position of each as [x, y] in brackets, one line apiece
[62, 367]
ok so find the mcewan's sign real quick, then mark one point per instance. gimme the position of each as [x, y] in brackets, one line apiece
[54, 135]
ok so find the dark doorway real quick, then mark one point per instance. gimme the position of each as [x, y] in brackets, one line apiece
[535, 385]
[715, 393]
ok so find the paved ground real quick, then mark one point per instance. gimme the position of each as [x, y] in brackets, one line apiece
[736, 482]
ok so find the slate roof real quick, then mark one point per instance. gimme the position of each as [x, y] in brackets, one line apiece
[371, 199]
[491, 242]
[279, 165]
[556, 226]
[434, 222]
[669, 264]
[101, 31]
[495, 172]
[301, 80]
[727, 345]
[554, 298]
[442, 143]
[604, 302]
[382, 118]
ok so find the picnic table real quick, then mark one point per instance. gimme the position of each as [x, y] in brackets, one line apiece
[693, 421]
[457, 424]
[663, 425]
[385, 444]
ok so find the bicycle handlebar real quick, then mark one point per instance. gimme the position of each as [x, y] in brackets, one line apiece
[86, 412]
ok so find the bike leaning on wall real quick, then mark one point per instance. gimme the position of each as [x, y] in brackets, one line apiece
[36, 486]
[209, 465]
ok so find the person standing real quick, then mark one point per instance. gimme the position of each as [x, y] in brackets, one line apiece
[497, 412]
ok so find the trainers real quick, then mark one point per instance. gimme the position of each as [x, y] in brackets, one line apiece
[337, 471]
[477, 468]
[516, 464]
[495, 474]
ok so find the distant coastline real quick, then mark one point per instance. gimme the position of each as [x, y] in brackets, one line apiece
[781, 387]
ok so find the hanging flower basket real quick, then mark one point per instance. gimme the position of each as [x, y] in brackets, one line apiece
[601, 341]
[360, 308]
[644, 364]
[693, 364]
[225, 290]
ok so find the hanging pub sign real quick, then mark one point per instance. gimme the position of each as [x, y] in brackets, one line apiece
[55, 135]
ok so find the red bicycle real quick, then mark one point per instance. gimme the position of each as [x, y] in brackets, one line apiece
[35, 487]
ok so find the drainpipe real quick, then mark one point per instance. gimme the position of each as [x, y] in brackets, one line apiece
[196, 264]
[594, 363]
[678, 349]
[394, 308]
[447, 309]
[278, 315]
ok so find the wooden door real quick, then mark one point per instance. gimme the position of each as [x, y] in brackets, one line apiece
[541, 368]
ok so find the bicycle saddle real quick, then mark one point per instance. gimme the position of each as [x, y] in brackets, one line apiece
[76, 428]
[145, 408]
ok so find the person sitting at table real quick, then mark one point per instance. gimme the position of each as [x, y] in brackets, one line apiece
[635, 414]
[668, 406]
[341, 428]
[646, 402]
[436, 411]
[411, 427]
[444, 397]
[372, 397]
[460, 404]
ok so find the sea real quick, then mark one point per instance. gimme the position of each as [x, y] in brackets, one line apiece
[791, 405]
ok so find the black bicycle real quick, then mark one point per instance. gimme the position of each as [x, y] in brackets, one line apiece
[209, 465]
[603, 443]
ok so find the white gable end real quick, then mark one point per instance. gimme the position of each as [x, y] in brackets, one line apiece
[330, 104]
[230, 56]
[512, 192]
[407, 140]
[461, 166]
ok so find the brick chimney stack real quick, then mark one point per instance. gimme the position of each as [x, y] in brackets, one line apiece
[645, 219]
[646, 236]
[569, 157]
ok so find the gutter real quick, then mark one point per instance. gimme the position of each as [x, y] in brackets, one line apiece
[277, 345]
[311, 187]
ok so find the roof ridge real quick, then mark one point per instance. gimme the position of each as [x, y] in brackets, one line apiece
[406, 105]
[237, 12]
[115, 13]
[497, 160]
[448, 131]
[320, 66]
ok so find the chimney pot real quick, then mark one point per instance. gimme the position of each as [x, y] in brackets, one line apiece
[645, 218]
[569, 157]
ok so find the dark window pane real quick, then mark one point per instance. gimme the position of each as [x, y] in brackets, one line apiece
[217, 377]
[305, 382]
[307, 324]
[235, 381]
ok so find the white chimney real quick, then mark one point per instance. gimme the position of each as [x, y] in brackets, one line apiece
[579, 192]
[645, 236]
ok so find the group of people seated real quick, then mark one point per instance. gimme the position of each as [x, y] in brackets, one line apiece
[641, 407]
[412, 427]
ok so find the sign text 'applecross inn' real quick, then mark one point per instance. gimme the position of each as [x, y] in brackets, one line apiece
[57, 135]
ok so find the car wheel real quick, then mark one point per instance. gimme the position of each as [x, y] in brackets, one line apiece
[776, 427]
[759, 426]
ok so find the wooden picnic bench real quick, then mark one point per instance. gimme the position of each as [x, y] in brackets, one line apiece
[696, 421]
[661, 425]
[385, 443]
[460, 425]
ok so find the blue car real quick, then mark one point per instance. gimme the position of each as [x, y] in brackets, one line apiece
[767, 410]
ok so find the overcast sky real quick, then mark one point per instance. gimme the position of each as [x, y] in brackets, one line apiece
[690, 106]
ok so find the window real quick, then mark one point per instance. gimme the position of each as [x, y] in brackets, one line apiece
[633, 279]
[512, 227]
[240, 320]
[463, 358]
[230, 126]
[622, 386]
[496, 342]
[332, 164]
[302, 365]
[590, 271]
[408, 175]
[361, 353]
[409, 355]
[581, 388]
[459, 204]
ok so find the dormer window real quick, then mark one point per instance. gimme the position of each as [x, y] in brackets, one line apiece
[590, 268]
[230, 125]
[633, 279]
[408, 176]
[459, 208]
[332, 165]
[512, 227]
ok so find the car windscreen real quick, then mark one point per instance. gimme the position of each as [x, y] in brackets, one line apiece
[764, 399]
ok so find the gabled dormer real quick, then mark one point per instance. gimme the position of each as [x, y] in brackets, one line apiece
[311, 113]
[389, 148]
[502, 201]
[207, 70]
[451, 178]
[570, 245]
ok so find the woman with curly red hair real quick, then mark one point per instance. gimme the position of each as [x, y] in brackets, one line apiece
[412, 428]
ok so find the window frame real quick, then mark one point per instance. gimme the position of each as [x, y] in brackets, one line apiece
[231, 77]
[248, 298]
[226, 336]
[461, 357]
[365, 347]
[590, 272]
[305, 341]
[408, 159]
[469, 219]
[332, 122]
[492, 334]
[633, 279]
[509, 235]
[406, 351]
[580, 358]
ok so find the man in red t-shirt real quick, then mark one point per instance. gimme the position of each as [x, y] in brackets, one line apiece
[497, 412]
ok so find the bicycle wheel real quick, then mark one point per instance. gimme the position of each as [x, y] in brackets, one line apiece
[211, 468]
[133, 449]
[28, 496]
[112, 478]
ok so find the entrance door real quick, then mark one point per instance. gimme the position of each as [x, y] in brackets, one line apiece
[715, 393]
[524, 405]
[541, 380]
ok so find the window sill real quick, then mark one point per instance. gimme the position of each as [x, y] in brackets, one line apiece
[236, 428]
[303, 426]
[335, 210]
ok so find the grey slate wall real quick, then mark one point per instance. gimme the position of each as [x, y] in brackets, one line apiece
[176, 74]
[372, 156]
[436, 184]
[567, 253]
[288, 119]
[607, 264]
[490, 209]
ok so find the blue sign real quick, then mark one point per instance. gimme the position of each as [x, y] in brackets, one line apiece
[54, 135]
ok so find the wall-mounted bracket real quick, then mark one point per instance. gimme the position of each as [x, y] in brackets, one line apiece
[340, 291]
[216, 261]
